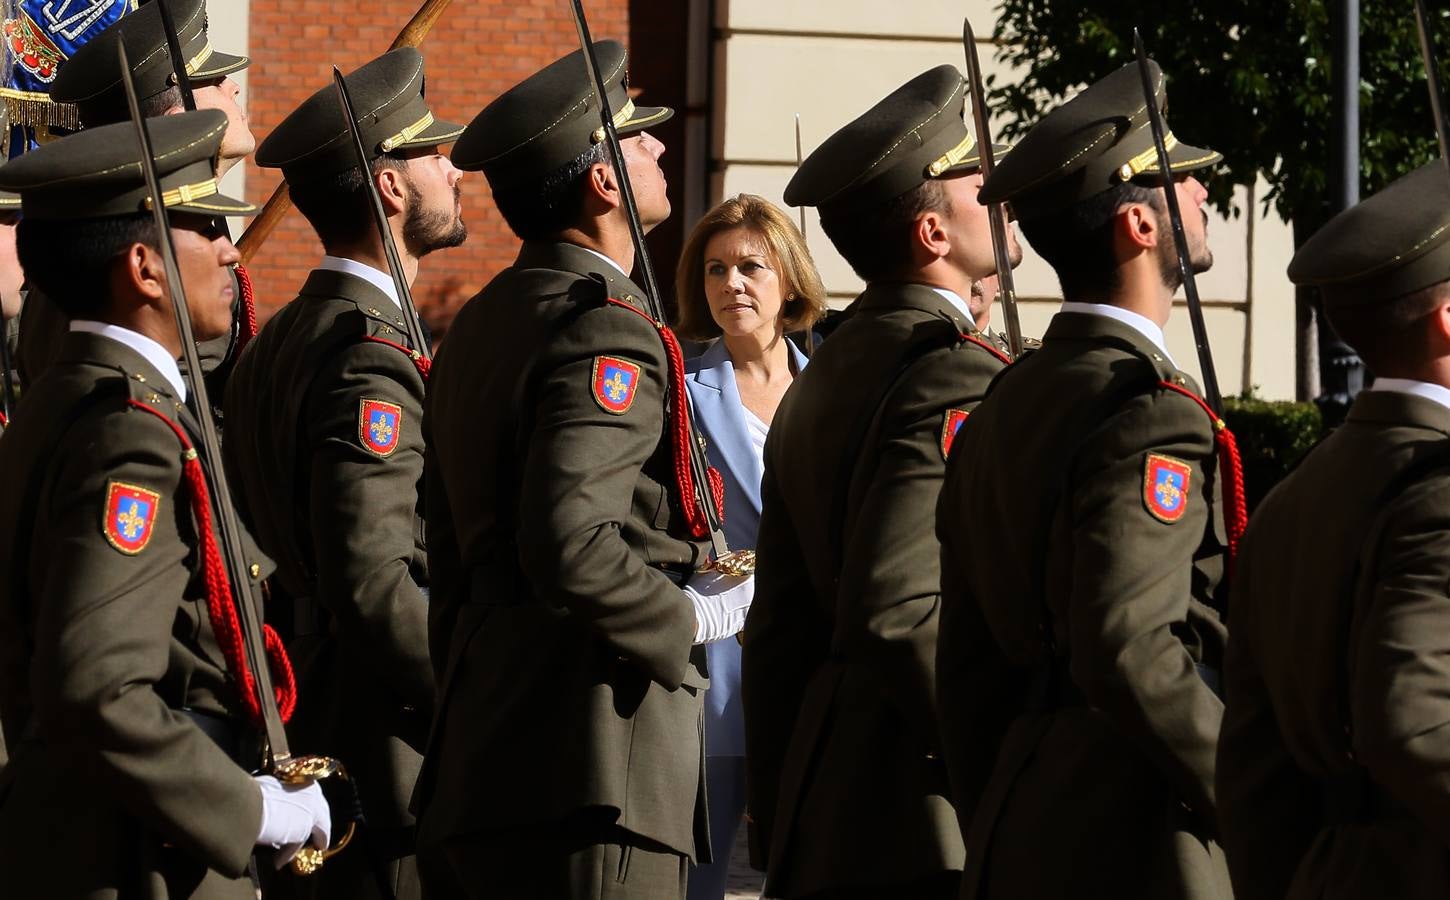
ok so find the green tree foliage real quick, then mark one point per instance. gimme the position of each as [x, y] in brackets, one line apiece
[1249, 78]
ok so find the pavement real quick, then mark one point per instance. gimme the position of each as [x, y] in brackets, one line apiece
[743, 882]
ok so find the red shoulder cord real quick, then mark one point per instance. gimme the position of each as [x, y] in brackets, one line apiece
[971, 338]
[219, 603]
[680, 432]
[423, 363]
[1231, 469]
[3, 421]
[248, 329]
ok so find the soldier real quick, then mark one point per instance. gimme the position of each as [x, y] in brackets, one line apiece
[92, 81]
[567, 612]
[324, 412]
[1331, 765]
[844, 781]
[119, 698]
[1081, 542]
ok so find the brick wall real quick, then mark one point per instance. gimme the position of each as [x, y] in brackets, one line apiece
[477, 50]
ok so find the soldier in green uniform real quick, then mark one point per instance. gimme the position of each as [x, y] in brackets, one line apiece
[92, 81]
[1082, 542]
[1331, 767]
[324, 414]
[845, 784]
[567, 611]
[130, 748]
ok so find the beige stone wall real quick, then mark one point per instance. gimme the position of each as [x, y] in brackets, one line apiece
[828, 62]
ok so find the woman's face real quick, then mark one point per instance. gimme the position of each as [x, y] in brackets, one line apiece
[742, 285]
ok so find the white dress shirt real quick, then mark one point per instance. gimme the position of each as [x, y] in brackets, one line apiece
[158, 356]
[1438, 393]
[956, 300]
[379, 279]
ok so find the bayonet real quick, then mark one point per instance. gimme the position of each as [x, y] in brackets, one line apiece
[723, 558]
[996, 213]
[1432, 79]
[380, 218]
[1180, 238]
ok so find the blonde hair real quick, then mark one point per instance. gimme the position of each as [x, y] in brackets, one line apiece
[805, 301]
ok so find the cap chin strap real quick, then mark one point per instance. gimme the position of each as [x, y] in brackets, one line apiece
[1147, 161]
[185, 193]
[952, 157]
[620, 117]
[194, 64]
[407, 134]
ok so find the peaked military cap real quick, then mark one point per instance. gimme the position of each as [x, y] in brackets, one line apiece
[550, 119]
[1099, 139]
[388, 97]
[1393, 243]
[916, 133]
[97, 172]
[92, 78]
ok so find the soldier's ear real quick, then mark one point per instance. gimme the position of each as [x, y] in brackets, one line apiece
[601, 187]
[393, 189]
[141, 271]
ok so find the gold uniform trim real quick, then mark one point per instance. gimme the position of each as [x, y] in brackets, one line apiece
[953, 156]
[195, 63]
[185, 194]
[620, 119]
[1147, 160]
[407, 134]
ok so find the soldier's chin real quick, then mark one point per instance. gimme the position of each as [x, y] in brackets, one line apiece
[1202, 262]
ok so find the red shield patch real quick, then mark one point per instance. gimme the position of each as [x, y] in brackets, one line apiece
[1165, 487]
[949, 428]
[379, 426]
[129, 516]
[614, 384]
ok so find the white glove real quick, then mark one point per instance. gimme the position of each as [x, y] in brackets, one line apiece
[292, 814]
[721, 602]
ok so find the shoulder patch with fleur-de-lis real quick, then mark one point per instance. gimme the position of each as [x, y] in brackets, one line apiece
[379, 425]
[1166, 482]
[129, 516]
[614, 383]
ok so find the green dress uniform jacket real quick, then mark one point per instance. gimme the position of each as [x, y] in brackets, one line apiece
[111, 791]
[844, 781]
[1332, 765]
[325, 447]
[1079, 731]
[568, 677]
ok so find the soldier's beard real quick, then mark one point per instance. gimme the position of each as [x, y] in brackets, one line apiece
[426, 230]
[1199, 262]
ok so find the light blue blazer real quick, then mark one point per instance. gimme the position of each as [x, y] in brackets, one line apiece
[710, 379]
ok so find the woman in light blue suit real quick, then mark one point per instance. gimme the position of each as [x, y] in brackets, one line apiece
[746, 278]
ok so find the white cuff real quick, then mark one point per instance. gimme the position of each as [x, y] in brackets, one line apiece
[720, 602]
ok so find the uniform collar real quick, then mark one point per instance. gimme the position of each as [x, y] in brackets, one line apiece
[1433, 392]
[158, 356]
[1141, 324]
[921, 297]
[617, 267]
[956, 300]
[379, 279]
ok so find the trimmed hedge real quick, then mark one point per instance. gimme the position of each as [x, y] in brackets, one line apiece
[1272, 435]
